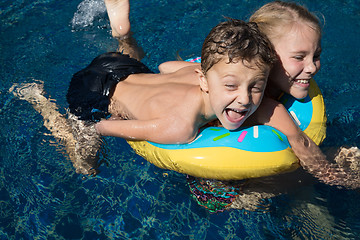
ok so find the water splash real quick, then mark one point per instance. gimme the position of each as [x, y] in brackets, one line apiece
[88, 11]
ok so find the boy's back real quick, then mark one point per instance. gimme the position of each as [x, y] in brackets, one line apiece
[173, 97]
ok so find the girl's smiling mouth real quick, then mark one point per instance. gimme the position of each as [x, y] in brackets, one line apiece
[305, 83]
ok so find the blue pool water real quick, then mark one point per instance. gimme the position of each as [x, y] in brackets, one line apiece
[41, 196]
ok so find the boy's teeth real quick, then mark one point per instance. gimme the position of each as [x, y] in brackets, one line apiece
[302, 81]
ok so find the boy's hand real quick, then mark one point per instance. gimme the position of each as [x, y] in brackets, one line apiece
[97, 127]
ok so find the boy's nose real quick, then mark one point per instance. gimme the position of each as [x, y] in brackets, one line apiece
[243, 98]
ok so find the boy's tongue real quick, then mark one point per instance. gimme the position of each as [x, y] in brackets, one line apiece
[234, 116]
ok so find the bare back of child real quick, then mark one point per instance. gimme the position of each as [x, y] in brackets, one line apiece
[149, 102]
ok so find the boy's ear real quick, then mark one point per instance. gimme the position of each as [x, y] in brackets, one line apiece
[202, 80]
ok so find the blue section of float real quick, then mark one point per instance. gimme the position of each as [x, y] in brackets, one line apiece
[254, 139]
[301, 109]
[194, 60]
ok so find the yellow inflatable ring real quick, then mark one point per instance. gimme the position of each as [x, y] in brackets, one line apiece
[311, 121]
[250, 152]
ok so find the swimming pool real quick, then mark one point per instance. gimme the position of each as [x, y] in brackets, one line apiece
[41, 196]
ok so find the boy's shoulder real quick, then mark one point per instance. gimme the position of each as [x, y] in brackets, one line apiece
[173, 66]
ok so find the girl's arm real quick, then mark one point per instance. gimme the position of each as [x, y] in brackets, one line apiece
[311, 157]
[173, 66]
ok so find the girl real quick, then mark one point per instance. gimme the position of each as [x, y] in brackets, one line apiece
[296, 35]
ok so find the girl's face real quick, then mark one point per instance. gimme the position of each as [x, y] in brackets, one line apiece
[235, 90]
[299, 60]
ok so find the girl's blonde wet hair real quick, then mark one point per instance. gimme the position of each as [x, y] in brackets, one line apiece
[273, 18]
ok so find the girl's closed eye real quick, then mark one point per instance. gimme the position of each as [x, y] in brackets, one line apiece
[299, 57]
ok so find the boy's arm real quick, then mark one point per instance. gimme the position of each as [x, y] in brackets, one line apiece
[173, 66]
[311, 157]
[157, 130]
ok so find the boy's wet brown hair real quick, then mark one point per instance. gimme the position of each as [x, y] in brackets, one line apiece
[235, 40]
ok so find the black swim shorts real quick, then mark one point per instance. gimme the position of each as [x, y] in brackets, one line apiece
[88, 94]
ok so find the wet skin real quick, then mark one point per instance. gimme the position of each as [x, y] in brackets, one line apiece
[235, 90]
[299, 60]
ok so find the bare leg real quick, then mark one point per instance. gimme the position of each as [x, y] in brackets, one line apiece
[118, 12]
[83, 159]
[129, 46]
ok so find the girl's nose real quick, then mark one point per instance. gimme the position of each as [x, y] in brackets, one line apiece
[311, 67]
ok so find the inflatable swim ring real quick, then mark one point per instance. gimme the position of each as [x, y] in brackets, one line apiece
[248, 152]
[308, 113]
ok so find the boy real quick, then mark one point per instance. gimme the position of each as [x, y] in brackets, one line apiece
[229, 87]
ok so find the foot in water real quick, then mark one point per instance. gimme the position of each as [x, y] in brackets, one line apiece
[30, 92]
[81, 140]
[118, 12]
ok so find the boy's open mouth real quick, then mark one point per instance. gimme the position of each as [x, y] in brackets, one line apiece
[235, 115]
